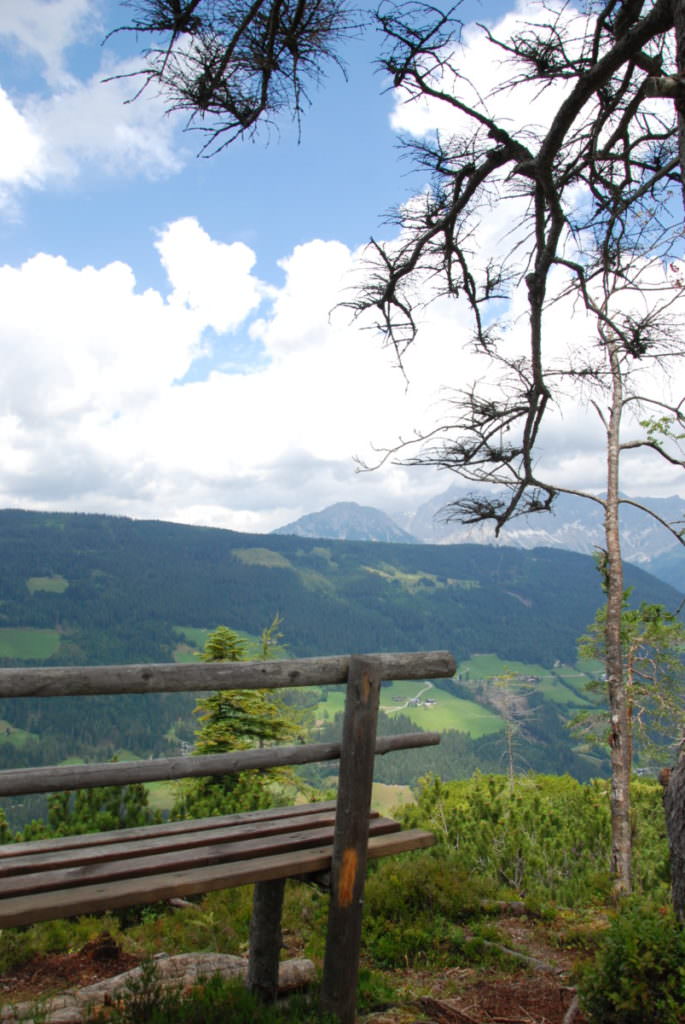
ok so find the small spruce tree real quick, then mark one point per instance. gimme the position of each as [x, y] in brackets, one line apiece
[238, 720]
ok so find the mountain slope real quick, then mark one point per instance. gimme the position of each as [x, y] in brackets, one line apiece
[114, 588]
[347, 520]
[574, 524]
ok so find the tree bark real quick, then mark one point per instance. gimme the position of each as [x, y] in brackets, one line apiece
[619, 720]
[674, 806]
[678, 7]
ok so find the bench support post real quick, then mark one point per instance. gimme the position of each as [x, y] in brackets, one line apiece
[348, 868]
[265, 939]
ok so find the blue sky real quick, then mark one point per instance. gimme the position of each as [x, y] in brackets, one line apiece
[165, 321]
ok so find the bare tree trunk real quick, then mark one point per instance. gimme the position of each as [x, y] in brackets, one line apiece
[619, 721]
[678, 7]
[674, 782]
[674, 805]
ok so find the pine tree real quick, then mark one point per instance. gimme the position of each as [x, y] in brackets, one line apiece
[238, 720]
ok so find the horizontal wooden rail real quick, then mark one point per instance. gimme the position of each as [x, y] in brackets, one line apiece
[202, 676]
[21, 781]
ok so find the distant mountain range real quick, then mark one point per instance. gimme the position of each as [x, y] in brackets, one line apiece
[574, 525]
[346, 520]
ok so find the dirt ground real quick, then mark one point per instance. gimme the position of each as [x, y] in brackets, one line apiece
[459, 995]
[58, 972]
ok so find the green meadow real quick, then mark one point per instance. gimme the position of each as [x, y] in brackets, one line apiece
[17, 737]
[564, 684]
[448, 712]
[25, 644]
[50, 584]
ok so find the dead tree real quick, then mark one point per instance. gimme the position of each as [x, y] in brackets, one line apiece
[585, 201]
[233, 64]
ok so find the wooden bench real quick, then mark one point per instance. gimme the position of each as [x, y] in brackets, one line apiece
[54, 878]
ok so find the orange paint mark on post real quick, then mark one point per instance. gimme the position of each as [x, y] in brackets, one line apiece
[348, 876]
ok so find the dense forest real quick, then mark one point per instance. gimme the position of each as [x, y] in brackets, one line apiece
[126, 584]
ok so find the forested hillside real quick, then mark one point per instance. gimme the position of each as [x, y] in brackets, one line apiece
[94, 589]
[112, 590]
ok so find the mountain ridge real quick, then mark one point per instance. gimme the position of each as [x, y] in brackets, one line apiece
[574, 524]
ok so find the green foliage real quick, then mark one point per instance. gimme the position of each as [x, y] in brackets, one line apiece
[414, 906]
[238, 720]
[545, 840]
[652, 642]
[18, 945]
[101, 809]
[638, 975]
[132, 582]
[223, 644]
[526, 839]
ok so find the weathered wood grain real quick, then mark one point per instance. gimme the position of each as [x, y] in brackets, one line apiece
[166, 828]
[21, 910]
[265, 939]
[133, 865]
[204, 676]
[20, 781]
[348, 867]
[150, 843]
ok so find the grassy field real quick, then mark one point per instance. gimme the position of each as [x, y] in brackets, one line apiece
[17, 737]
[454, 713]
[448, 712]
[564, 684]
[28, 644]
[385, 799]
[558, 690]
[160, 795]
[487, 666]
[51, 584]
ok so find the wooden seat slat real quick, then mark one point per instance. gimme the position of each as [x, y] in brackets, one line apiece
[196, 838]
[164, 828]
[96, 898]
[133, 865]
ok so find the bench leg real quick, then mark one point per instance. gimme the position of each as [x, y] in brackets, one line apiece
[348, 866]
[265, 939]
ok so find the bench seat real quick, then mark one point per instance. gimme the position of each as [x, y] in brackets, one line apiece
[46, 879]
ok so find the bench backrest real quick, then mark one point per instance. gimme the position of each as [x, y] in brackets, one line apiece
[207, 677]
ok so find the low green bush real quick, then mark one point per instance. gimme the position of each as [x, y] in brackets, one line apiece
[638, 974]
[414, 907]
[543, 839]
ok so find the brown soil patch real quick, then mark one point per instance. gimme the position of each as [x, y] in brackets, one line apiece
[522, 1000]
[56, 972]
[459, 995]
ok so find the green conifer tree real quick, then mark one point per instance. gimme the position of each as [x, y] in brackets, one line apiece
[238, 720]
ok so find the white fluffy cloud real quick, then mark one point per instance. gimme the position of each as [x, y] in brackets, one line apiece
[63, 124]
[95, 412]
[106, 403]
[212, 278]
[21, 156]
[91, 125]
[46, 28]
[98, 411]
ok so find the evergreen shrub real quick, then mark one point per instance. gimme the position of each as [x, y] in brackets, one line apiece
[544, 839]
[638, 974]
[413, 910]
